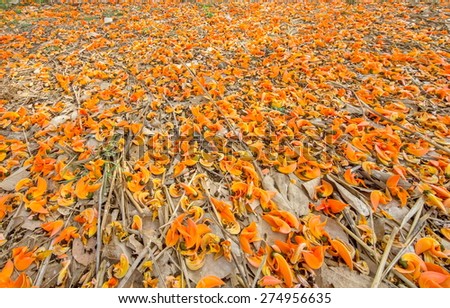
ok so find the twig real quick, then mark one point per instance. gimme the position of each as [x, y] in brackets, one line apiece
[99, 233]
[361, 242]
[108, 201]
[379, 275]
[43, 267]
[408, 242]
[136, 205]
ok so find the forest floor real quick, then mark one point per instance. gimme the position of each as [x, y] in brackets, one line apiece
[244, 145]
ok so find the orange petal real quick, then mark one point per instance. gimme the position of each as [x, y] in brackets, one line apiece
[210, 282]
[392, 182]
[24, 182]
[336, 206]
[22, 258]
[53, 227]
[324, 190]
[446, 233]
[377, 197]
[277, 224]
[315, 258]
[38, 206]
[269, 281]
[248, 235]
[137, 223]
[178, 169]
[343, 252]
[283, 268]
[434, 280]
[287, 169]
[120, 269]
[431, 245]
[6, 272]
[23, 281]
[157, 170]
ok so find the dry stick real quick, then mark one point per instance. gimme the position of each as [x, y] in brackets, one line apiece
[99, 237]
[135, 265]
[42, 269]
[101, 274]
[136, 205]
[184, 270]
[416, 219]
[387, 250]
[406, 245]
[417, 134]
[408, 282]
[356, 238]
[108, 201]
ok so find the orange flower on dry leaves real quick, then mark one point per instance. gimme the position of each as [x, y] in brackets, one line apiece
[22, 281]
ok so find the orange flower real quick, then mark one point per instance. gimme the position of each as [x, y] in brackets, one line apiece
[191, 192]
[269, 281]
[210, 282]
[66, 235]
[120, 269]
[287, 168]
[23, 281]
[377, 197]
[331, 206]
[431, 247]
[281, 221]
[392, 185]
[85, 189]
[88, 219]
[52, 227]
[324, 190]
[281, 267]
[248, 235]
[137, 223]
[23, 258]
[316, 227]
[343, 251]
[226, 216]
[350, 178]
[315, 258]
[434, 280]
[411, 265]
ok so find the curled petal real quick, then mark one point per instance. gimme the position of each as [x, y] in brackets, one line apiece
[431, 245]
[434, 280]
[315, 258]
[282, 268]
[210, 282]
[120, 269]
[269, 281]
[343, 252]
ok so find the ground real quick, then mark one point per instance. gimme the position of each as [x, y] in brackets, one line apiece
[239, 145]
